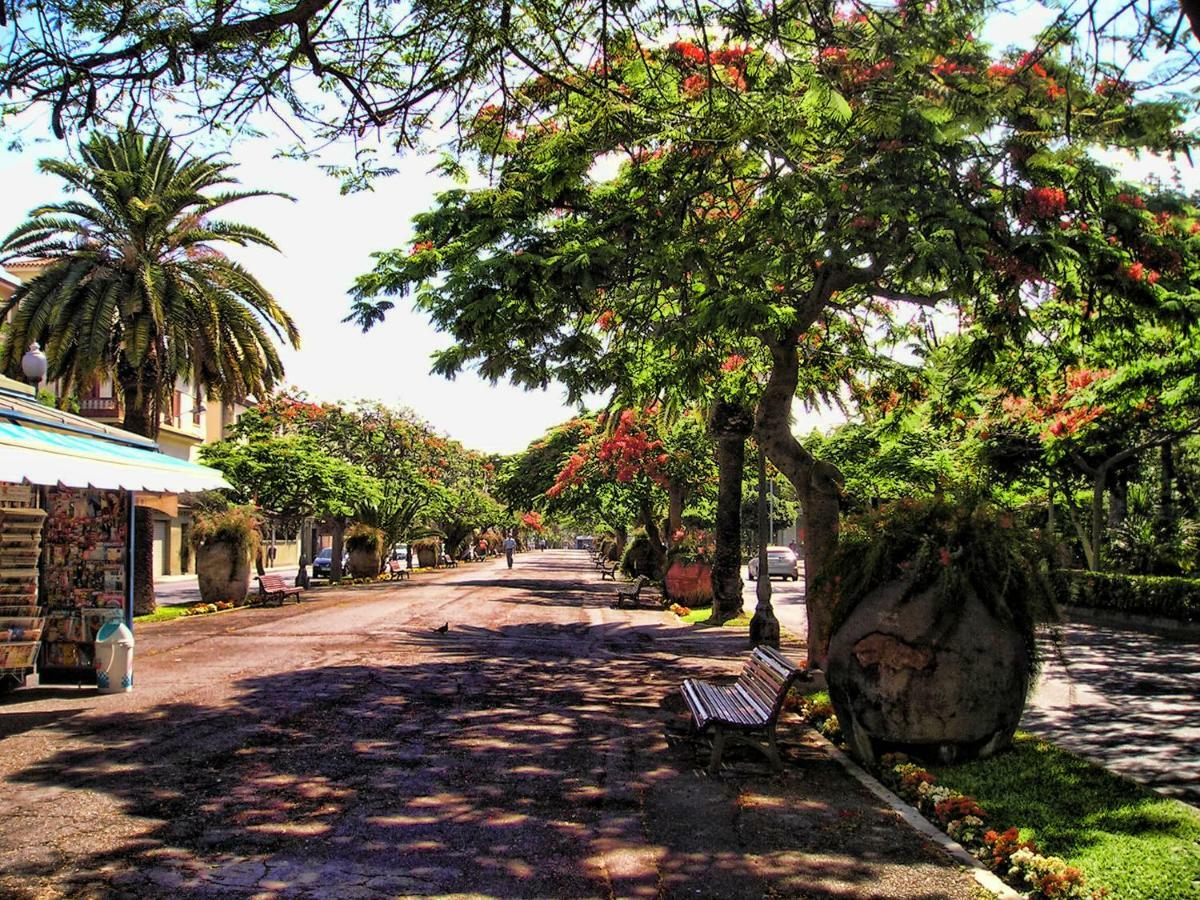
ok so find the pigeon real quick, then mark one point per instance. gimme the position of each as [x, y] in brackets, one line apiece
[442, 629]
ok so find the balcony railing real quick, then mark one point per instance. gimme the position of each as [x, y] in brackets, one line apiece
[100, 407]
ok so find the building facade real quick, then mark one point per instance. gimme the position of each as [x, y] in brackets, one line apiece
[188, 421]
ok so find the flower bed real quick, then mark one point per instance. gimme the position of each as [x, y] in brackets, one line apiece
[962, 817]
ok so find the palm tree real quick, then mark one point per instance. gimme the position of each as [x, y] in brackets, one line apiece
[138, 293]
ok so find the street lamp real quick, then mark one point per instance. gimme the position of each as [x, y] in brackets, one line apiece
[34, 365]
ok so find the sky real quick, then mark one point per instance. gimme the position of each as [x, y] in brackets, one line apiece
[326, 239]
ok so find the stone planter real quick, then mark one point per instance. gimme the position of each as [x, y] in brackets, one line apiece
[902, 680]
[222, 573]
[690, 583]
[363, 564]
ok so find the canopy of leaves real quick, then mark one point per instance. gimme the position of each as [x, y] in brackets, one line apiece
[138, 289]
[720, 199]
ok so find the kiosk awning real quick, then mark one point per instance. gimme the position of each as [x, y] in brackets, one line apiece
[31, 455]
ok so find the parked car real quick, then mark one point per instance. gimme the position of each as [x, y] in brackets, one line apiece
[781, 561]
[400, 552]
[324, 563]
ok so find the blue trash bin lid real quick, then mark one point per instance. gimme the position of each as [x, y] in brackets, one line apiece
[111, 632]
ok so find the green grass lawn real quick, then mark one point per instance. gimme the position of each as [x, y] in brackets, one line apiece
[164, 613]
[701, 615]
[1122, 836]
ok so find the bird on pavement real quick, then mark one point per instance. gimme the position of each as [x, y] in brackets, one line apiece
[442, 629]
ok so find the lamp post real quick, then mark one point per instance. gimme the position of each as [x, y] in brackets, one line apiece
[764, 627]
[34, 365]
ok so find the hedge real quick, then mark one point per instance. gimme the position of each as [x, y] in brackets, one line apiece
[1151, 595]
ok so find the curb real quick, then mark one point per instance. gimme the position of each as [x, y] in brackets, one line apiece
[986, 878]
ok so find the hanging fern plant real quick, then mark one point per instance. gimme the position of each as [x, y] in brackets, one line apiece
[953, 550]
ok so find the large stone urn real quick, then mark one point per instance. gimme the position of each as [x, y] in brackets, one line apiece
[690, 583]
[949, 686]
[364, 563]
[223, 570]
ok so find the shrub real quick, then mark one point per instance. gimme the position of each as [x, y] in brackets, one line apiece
[692, 546]
[638, 558]
[237, 525]
[1177, 598]
[364, 539]
[956, 550]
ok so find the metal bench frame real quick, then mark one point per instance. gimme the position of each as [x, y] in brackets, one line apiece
[630, 591]
[608, 569]
[277, 590]
[746, 711]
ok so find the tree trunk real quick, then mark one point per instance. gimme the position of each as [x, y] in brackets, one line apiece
[676, 495]
[730, 424]
[1118, 502]
[335, 563]
[658, 550]
[1166, 497]
[140, 420]
[817, 484]
[727, 559]
[622, 535]
[1099, 480]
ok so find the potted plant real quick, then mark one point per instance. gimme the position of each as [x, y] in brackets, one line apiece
[689, 568]
[225, 542]
[364, 545]
[933, 650]
[428, 549]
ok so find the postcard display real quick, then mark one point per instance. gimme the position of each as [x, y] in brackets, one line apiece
[84, 574]
[21, 619]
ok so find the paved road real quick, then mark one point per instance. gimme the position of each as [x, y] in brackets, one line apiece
[343, 748]
[1125, 699]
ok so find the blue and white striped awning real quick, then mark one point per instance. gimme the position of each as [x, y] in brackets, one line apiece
[30, 455]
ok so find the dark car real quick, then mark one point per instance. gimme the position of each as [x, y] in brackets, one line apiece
[324, 562]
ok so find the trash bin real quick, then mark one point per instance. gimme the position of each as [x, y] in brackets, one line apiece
[114, 658]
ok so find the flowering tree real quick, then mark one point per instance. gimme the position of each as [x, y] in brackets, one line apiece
[422, 478]
[637, 467]
[805, 202]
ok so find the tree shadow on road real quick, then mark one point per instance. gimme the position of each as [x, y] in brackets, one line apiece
[526, 760]
[1129, 700]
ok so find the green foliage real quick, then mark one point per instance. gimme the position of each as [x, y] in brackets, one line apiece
[638, 558]
[1175, 598]
[693, 546]
[364, 539]
[957, 550]
[237, 526]
[290, 476]
[1138, 844]
[174, 307]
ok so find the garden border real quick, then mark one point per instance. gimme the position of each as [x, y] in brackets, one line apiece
[1115, 618]
[986, 878]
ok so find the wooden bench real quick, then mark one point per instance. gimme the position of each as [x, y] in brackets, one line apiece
[747, 708]
[397, 571]
[630, 591]
[273, 589]
[609, 570]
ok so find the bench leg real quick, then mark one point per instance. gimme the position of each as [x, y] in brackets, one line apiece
[772, 750]
[718, 750]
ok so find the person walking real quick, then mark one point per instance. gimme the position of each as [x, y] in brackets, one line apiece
[509, 545]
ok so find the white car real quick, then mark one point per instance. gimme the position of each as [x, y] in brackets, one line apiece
[781, 561]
